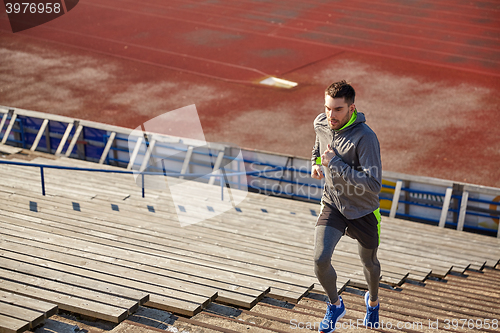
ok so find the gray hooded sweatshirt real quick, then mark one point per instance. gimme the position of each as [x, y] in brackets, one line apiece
[354, 178]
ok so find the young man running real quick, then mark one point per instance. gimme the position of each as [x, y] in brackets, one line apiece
[350, 152]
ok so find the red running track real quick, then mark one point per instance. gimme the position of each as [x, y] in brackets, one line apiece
[244, 41]
[426, 72]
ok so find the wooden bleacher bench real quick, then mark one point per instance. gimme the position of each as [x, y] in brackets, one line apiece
[237, 257]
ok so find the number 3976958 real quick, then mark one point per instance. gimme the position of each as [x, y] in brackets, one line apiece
[32, 8]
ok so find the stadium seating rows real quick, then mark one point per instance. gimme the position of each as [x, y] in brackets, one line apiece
[94, 246]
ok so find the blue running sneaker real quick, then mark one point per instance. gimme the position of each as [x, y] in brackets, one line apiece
[332, 315]
[371, 317]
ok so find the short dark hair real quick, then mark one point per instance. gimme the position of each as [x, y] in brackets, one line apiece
[341, 89]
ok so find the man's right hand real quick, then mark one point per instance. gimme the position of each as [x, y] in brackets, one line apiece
[316, 172]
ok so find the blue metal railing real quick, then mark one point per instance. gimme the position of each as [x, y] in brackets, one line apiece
[14, 130]
[410, 190]
[284, 168]
[210, 154]
[25, 123]
[430, 206]
[420, 204]
[425, 205]
[259, 173]
[193, 175]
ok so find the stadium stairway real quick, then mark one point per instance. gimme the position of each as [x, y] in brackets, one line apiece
[467, 302]
[439, 305]
[93, 246]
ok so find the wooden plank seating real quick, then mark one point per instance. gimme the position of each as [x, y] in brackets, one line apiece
[397, 282]
[401, 276]
[305, 289]
[345, 257]
[290, 234]
[31, 266]
[48, 309]
[10, 324]
[162, 298]
[294, 202]
[48, 257]
[252, 198]
[424, 274]
[133, 223]
[444, 250]
[463, 267]
[240, 288]
[472, 260]
[64, 298]
[187, 289]
[118, 244]
[38, 231]
[259, 292]
[469, 246]
[19, 313]
[414, 307]
[34, 318]
[112, 302]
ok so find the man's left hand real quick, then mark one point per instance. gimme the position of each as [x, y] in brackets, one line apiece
[327, 156]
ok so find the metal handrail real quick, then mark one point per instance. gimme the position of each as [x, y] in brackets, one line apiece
[171, 174]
